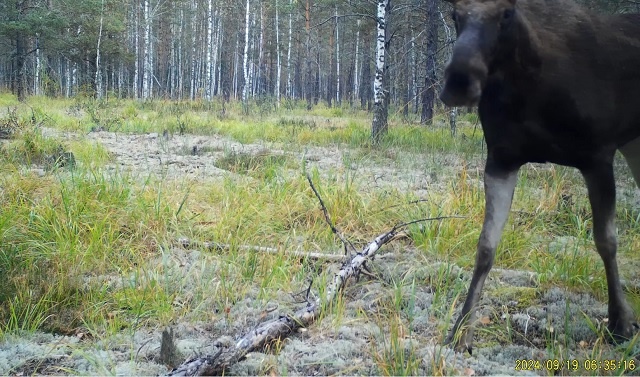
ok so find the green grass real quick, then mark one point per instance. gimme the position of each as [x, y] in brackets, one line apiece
[90, 249]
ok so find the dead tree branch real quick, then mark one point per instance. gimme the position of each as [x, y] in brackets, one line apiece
[212, 245]
[283, 326]
[335, 231]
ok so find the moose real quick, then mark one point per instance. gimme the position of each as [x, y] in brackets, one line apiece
[557, 83]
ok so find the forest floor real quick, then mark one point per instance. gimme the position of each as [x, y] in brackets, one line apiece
[390, 323]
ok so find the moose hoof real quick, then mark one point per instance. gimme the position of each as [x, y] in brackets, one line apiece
[460, 341]
[621, 331]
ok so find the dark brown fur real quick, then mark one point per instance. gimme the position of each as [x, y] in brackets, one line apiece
[553, 83]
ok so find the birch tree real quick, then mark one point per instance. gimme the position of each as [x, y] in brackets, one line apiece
[356, 83]
[289, 83]
[98, 78]
[147, 65]
[309, 81]
[209, 52]
[245, 60]
[337, 57]
[278, 63]
[136, 44]
[379, 125]
[38, 67]
[194, 49]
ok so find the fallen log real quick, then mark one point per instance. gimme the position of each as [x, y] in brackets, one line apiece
[283, 326]
[287, 324]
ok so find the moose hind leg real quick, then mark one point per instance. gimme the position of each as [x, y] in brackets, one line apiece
[499, 184]
[602, 196]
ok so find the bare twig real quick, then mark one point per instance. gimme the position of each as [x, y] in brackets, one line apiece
[335, 231]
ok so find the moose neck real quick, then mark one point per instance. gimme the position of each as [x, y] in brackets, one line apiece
[520, 55]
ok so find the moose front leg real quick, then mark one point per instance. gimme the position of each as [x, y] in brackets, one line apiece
[499, 184]
[602, 196]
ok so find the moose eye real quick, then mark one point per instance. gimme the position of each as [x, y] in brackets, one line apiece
[508, 14]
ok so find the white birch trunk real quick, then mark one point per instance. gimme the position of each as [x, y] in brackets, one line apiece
[215, 48]
[337, 58]
[179, 73]
[278, 64]
[414, 73]
[171, 75]
[378, 88]
[120, 78]
[219, 43]
[258, 78]
[356, 75]
[194, 51]
[251, 59]
[208, 60]
[150, 57]
[379, 124]
[245, 60]
[136, 68]
[98, 78]
[290, 93]
[68, 78]
[36, 79]
[74, 76]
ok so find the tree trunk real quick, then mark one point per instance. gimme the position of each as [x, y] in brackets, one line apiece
[404, 80]
[331, 78]
[136, 42]
[194, 50]
[379, 125]
[208, 76]
[309, 74]
[218, 54]
[245, 60]
[278, 64]
[236, 67]
[37, 68]
[366, 92]
[178, 66]
[67, 80]
[98, 77]
[356, 83]
[337, 58]
[429, 93]
[21, 55]
[260, 80]
[20, 59]
[289, 83]
[453, 114]
[147, 67]
[414, 75]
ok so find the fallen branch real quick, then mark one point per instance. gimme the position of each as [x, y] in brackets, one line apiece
[287, 324]
[280, 327]
[211, 245]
